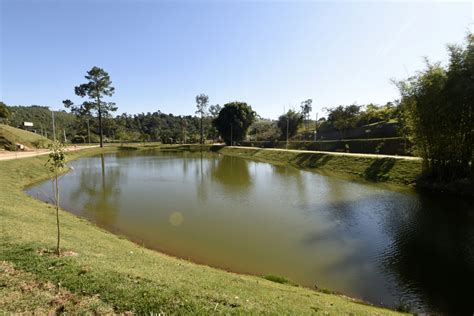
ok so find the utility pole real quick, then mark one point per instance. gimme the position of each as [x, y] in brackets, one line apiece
[54, 127]
[65, 139]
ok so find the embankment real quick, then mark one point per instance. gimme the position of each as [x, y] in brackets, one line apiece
[102, 272]
[383, 146]
[376, 168]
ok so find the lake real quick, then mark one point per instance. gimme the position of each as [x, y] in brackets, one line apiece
[362, 240]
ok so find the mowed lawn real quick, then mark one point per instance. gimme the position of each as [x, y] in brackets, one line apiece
[102, 272]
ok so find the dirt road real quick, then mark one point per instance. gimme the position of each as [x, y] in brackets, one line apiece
[9, 155]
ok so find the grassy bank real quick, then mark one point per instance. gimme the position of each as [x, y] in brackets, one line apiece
[105, 273]
[383, 146]
[373, 168]
[9, 136]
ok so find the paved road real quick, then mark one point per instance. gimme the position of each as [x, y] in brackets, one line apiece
[8, 155]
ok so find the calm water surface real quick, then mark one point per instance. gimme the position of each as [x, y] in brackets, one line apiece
[381, 246]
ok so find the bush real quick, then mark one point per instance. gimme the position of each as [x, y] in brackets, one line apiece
[41, 143]
[384, 146]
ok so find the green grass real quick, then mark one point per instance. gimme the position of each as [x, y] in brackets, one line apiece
[374, 169]
[10, 136]
[109, 273]
[278, 279]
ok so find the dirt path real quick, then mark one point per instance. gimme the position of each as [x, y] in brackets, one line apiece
[8, 155]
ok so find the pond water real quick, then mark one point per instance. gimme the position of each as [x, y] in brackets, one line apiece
[364, 241]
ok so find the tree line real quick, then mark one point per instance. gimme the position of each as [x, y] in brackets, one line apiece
[435, 111]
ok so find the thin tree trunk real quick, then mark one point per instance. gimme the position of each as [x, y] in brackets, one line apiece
[202, 132]
[57, 213]
[100, 122]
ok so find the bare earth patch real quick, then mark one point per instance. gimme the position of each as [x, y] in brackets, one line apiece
[20, 292]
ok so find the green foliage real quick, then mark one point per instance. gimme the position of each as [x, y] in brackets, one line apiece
[144, 138]
[384, 146]
[55, 164]
[403, 307]
[4, 113]
[11, 136]
[263, 129]
[373, 114]
[439, 111]
[290, 121]
[343, 117]
[214, 110]
[306, 108]
[202, 102]
[95, 89]
[234, 121]
[277, 279]
[40, 116]
[56, 159]
[41, 143]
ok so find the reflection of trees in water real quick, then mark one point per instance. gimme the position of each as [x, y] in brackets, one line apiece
[232, 172]
[433, 253]
[99, 192]
[290, 176]
[341, 235]
[202, 190]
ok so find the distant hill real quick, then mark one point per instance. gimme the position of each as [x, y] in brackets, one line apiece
[41, 118]
[10, 136]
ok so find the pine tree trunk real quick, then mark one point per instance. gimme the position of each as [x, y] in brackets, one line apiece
[100, 122]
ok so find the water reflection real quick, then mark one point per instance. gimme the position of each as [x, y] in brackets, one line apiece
[433, 253]
[232, 172]
[98, 193]
[251, 217]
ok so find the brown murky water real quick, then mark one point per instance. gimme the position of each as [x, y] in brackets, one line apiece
[378, 245]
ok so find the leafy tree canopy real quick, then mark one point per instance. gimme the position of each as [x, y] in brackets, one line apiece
[233, 121]
[4, 113]
[438, 105]
[290, 121]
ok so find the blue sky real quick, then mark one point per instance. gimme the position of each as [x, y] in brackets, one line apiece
[161, 54]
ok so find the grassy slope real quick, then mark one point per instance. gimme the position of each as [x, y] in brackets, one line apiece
[390, 170]
[112, 272]
[15, 135]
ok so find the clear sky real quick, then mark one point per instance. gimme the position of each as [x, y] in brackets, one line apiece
[270, 54]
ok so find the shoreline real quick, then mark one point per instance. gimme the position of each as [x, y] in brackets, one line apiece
[20, 250]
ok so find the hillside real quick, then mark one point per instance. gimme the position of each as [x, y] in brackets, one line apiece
[9, 136]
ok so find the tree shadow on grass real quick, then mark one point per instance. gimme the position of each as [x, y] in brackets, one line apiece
[312, 160]
[216, 148]
[378, 170]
